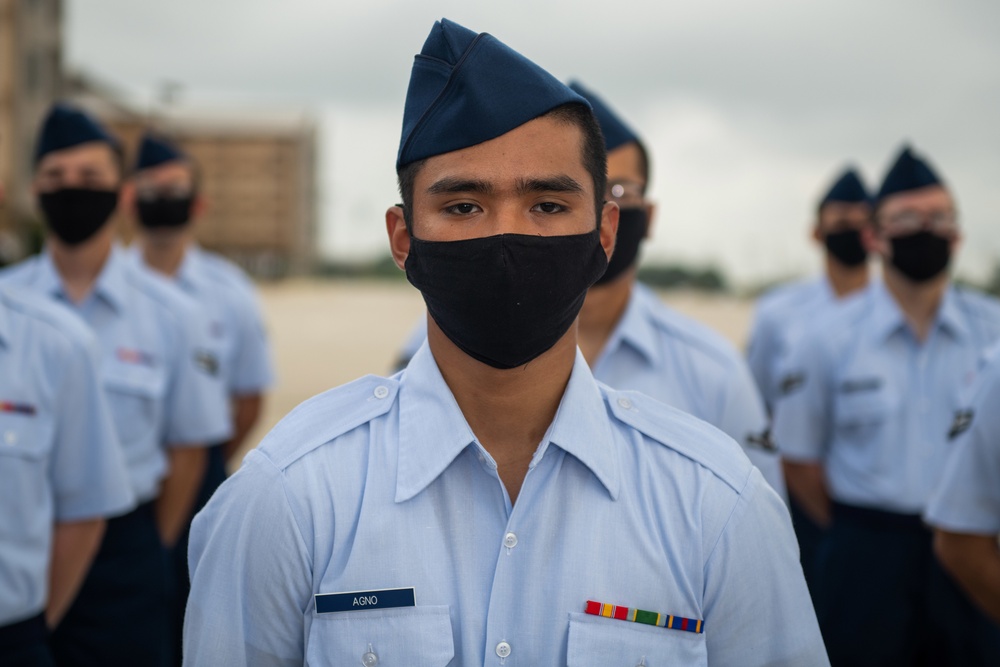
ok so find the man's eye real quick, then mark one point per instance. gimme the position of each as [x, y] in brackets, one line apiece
[549, 207]
[462, 209]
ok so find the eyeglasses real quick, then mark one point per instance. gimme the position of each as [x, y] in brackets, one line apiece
[627, 194]
[911, 221]
[169, 192]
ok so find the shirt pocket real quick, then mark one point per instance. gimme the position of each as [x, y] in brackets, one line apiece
[605, 642]
[402, 637]
[862, 417]
[135, 397]
[25, 437]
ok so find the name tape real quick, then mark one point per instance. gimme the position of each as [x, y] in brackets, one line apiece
[386, 598]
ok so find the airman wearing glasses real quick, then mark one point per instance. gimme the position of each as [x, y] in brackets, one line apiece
[866, 434]
[633, 341]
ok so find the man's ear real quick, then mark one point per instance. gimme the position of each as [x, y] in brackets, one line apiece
[399, 235]
[199, 206]
[817, 235]
[127, 199]
[609, 227]
[650, 219]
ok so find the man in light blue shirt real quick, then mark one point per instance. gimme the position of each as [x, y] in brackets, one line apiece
[165, 207]
[481, 505]
[633, 341]
[62, 473]
[965, 508]
[784, 312]
[159, 379]
[864, 431]
[781, 314]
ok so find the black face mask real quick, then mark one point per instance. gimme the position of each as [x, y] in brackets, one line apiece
[846, 247]
[632, 225]
[504, 300]
[921, 256]
[165, 212]
[74, 214]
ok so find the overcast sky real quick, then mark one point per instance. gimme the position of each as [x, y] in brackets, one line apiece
[749, 107]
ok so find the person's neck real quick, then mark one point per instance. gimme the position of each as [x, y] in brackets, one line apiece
[509, 411]
[80, 266]
[164, 255]
[602, 310]
[845, 280]
[919, 302]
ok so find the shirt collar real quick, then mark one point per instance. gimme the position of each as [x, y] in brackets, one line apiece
[113, 281]
[888, 318]
[433, 431]
[636, 328]
[111, 284]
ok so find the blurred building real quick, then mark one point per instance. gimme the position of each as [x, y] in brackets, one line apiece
[258, 173]
[30, 79]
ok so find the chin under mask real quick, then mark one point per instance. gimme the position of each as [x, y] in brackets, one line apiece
[846, 247]
[921, 256]
[165, 212]
[504, 300]
[74, 215]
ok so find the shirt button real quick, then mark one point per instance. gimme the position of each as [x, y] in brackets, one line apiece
[369, 659]
[625, 403]
[510, 540]
[381, 391]
[10, 437]
[503, 649]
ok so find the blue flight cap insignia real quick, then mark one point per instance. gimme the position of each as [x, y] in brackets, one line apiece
[467, 88]
[155, 149]
[909, 172]
[848, 189]
[66, 126]
[616, 132]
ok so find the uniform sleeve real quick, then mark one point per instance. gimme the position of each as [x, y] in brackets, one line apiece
[760, 355]
[252, 371]
[801, 419]
[197, 404]
[743, 418]
[967, 499]
[757, 607]
[90, 478]
[251, 575]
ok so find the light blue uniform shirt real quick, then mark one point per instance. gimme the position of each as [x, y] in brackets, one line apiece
[779, 319]
[381, 484]
[968, 498]
[874, 404]
[59, 459]
[236, 328]
[685, 364]
[156, 368]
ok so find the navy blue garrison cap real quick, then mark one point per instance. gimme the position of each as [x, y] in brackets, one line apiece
[155, 149]
[616, 132]
[909, 172]
[848, 188]
[466, 89]
[66, 126]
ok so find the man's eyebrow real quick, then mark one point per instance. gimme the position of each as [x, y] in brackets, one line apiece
[549, 184]
[447, 186]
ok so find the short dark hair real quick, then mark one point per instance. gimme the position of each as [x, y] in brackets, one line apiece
[595, 158]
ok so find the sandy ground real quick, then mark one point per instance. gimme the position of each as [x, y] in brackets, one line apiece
[326, 333]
